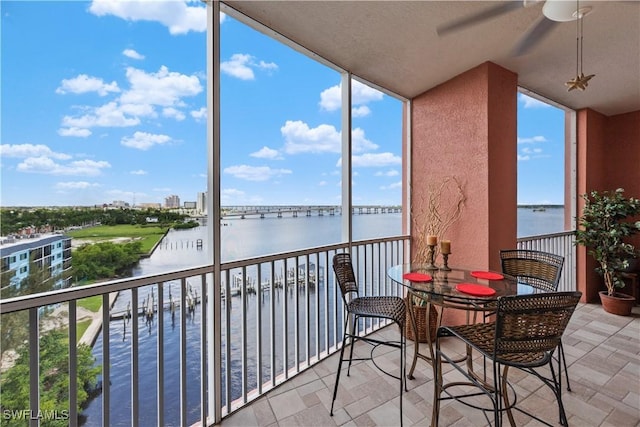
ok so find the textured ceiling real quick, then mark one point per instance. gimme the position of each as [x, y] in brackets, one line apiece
[394, 44]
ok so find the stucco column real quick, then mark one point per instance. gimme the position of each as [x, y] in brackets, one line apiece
[467, 128]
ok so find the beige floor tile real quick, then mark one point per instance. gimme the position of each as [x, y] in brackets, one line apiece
[602, 351]
[286, 404]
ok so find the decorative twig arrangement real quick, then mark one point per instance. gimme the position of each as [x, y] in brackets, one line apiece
[441, 206]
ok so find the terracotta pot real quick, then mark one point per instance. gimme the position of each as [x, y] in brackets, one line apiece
[618, 303]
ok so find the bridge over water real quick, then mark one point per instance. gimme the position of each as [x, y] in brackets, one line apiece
[302, 210]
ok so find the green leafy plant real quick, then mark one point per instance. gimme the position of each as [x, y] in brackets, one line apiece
[604, 228]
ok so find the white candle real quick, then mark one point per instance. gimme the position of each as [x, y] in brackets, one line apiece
[445, 246]
[432, 240]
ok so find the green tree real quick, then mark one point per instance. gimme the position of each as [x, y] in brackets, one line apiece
[54, 379]
[105, 260]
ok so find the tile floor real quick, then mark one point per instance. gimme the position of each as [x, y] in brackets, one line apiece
[602, 350]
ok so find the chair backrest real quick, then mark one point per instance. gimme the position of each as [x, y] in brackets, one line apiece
[532, 323]
[538, 269]
[343, 268]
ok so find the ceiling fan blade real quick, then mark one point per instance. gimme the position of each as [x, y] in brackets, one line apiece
[485, 15]
[534, 35]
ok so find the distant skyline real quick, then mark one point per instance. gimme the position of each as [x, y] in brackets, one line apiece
[105, 101]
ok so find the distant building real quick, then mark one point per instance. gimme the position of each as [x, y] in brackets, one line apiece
[189, 205]
[149, 205]
[120, 204]
[172, 202]
[51, 251]
[201, 203]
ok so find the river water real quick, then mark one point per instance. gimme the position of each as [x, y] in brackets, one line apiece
[241, 238]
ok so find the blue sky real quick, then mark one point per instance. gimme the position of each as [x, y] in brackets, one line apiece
[106, 100]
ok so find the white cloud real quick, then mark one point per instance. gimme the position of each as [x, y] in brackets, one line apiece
[45, 165]
[130, 53]
[233, 196]
[360, 143]
[361, 94]
[255, 173]
[83, 84]
[300, 138]
[144, 140]
[322, 183]
[164, 88]
[138, 172]
[137, 110]
[529, 153]
[530, 102]
[373, 160]
[147, 90]
[108, 115]
[74, 131]
[200, 114]
[394, 186]
[267, 65]
[391, 172]
[532, 140]
[241, 66]
[237, 67]
[361, 111]
[30, 150]
[331, 99]
[173, 113]
[266, 153]
[75, 185]
[179, 16]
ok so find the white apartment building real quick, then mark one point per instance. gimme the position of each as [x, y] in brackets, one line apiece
[172, 201]
[51, 251]
[201, 203]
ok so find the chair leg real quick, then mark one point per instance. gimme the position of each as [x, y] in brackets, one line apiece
[505, 396]
[564, 365]
[437, 385]
[498, 391]
[402, 373]
[403, 343]
[335, 388]
[556, 385]
[353, 342]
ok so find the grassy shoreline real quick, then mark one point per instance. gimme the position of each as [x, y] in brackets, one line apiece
[148, 235]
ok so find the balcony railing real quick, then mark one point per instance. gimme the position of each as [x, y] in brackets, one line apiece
[279, 314]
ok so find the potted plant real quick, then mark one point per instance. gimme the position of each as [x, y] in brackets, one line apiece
[606, 223]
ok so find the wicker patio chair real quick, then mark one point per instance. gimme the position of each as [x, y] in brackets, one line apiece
[357, 307]
[540, 270]
[524, 335]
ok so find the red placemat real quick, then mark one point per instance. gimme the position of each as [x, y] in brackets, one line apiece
[475, 289]
[489, 275]
[417, 277]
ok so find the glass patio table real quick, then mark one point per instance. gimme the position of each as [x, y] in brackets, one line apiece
[473, 291]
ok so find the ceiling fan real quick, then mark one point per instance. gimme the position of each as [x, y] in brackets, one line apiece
[553, 13]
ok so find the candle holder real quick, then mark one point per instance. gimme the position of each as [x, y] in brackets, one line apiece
[445, 260]
[431, 252]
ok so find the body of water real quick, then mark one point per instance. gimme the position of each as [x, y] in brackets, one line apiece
[241, 238]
